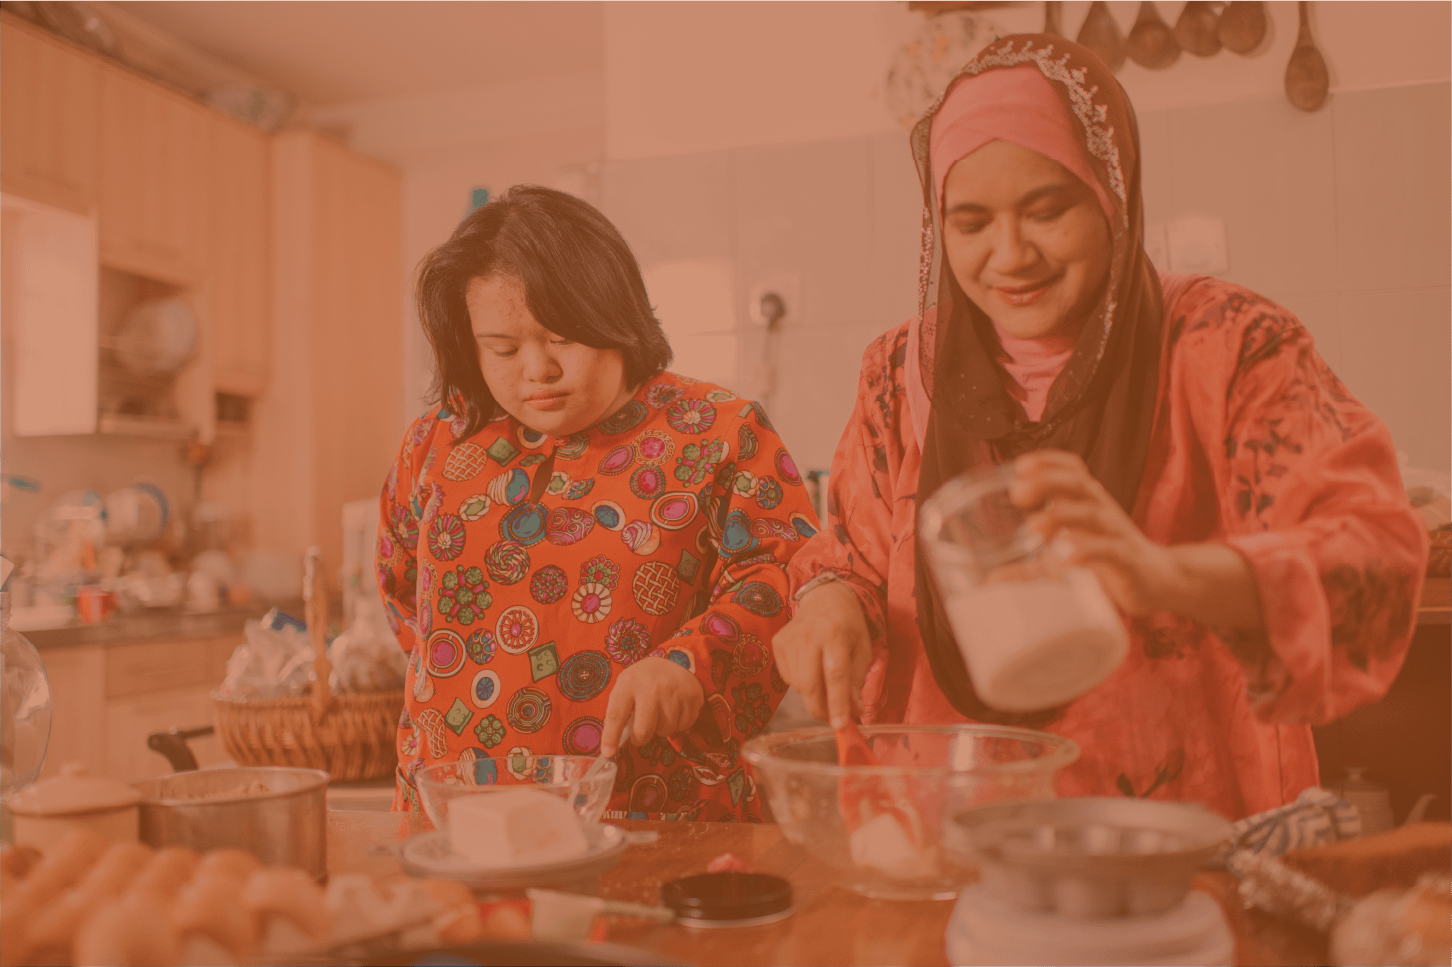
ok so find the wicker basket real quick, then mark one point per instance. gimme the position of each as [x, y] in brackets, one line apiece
[349, 736]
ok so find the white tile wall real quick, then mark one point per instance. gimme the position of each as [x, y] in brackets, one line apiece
[1396, 351]
[1266, 169]
[1341, 215]
[1392, 188]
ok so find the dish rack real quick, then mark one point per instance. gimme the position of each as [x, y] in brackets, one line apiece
[349, 736]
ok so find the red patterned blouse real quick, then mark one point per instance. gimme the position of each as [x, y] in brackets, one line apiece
[665, 530]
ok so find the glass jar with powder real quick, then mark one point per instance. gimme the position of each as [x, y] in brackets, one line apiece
[1034, 632]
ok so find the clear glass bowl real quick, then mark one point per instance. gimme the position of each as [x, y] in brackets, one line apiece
[25, 707]
[567, 776]
[940, 770]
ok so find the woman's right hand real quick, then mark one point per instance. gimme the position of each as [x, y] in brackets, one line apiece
[823, 652]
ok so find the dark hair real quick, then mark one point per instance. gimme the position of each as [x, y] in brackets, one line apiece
[580, 281]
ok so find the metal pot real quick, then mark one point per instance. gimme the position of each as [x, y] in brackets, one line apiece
[285, 826]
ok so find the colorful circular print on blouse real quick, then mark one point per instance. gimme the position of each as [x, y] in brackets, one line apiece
[568, 525]
[628, 417]
[787, 467]
[769, 528]
[736, 533]
[691, 416]
[641, 537]
[507, 562]
[750, 657]
[674, 511]
[475, 507]
[510, 487]
[648, 795]
[662, 394]
[682, 658]
[446, 537]
[758, 598]
[717, 624]
[518, 761]
[656, 587]
[608, 514]
[485, 690]
[648, 482]
[746, 442]
[477, 769]
[525, 524]
[574, 447]
[582, 736]
[559, 483]
[463, 596]
[446, 653]
[591, 603]
[653, 446]
[600, 570]
[627, 641]
[584, 675]
[529, 710]
[517, 629]
[480, 645]
[549, 584]
[531, 439]
[617, 460]
[803, 524]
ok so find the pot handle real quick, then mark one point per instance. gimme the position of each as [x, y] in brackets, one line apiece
[173, 744]
[315, 595]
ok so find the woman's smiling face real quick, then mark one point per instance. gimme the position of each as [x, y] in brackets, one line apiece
[1026, 239]
[543, 380]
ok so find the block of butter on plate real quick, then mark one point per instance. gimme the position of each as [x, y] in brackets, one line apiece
[515, 827]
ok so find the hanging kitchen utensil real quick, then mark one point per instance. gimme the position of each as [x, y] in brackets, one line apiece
[1242, 26]
[1198, 29]
[1151, 42]
[316, 609]
[1053, 17]
[1101, 34]
[1306, 79]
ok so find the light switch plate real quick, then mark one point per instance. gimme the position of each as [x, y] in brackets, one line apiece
[1197, 244]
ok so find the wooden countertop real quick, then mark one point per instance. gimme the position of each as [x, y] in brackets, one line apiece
[831, 925]
[1436, 604]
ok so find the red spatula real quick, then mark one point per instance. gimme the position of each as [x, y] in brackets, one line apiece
[862, 798]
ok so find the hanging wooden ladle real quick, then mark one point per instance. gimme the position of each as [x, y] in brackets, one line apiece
[1198, 29]
[1242, 26]
[1053, 22]
[1306, 78]
[1152, 43]
[1101, 34]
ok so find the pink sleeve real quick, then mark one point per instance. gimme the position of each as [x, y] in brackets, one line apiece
[1310, 495]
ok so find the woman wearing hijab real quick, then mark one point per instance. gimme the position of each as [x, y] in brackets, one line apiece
[1243, 511]
[575, 540]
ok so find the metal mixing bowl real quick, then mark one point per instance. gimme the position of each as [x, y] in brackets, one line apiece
[940, 769]
[1089, 858]
[286, 826]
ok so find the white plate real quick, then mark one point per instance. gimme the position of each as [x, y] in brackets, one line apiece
[429, 854]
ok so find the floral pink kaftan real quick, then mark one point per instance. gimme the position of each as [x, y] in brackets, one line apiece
[1256, 443]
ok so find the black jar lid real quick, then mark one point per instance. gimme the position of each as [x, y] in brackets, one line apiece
[728, 899]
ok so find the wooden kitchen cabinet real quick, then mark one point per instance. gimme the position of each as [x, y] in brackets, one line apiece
[154, 153]
[49, 97]
[77, 679]
[238, 285]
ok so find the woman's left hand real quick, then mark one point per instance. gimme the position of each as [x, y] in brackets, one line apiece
[1069, 504]
[657, 697]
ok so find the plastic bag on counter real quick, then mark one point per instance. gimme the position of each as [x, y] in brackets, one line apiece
[276, 660]
[366, 657]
